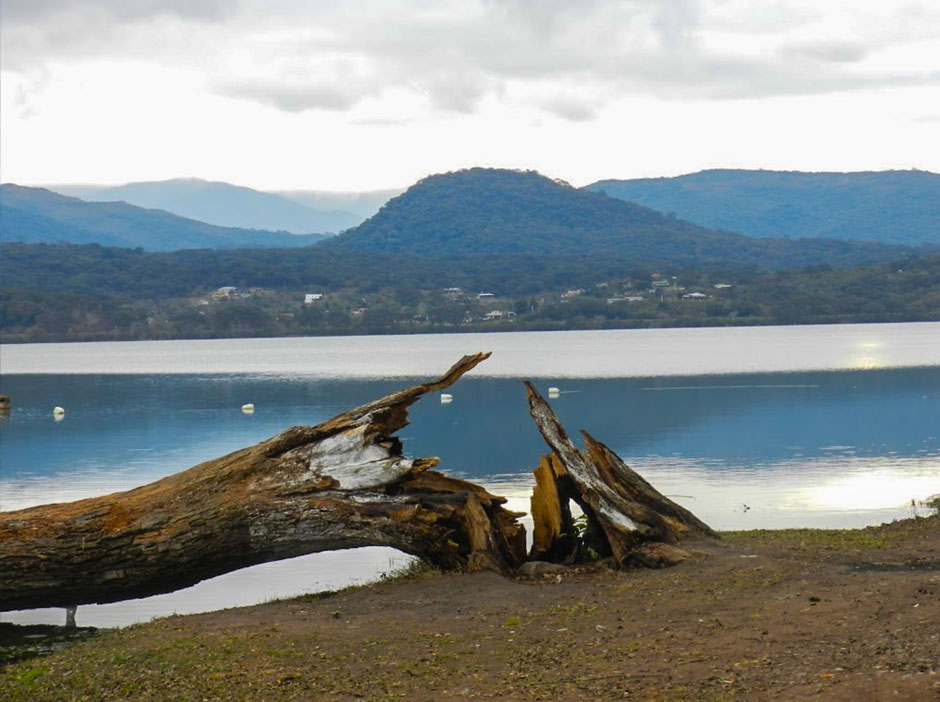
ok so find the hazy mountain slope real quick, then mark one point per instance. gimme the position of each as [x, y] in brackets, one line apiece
[227, 205]
[119, 224]
[29, 227]
[900, 207]
[492, 211]
[361, 205]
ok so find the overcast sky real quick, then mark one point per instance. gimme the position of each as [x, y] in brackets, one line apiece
[359, 95]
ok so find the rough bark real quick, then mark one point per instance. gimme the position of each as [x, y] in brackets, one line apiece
[341, 484]
[624, 512]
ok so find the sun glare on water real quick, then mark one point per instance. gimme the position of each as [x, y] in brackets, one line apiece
[866, 356]
[872, 491]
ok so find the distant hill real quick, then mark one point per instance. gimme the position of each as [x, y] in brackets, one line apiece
[898, 207]
[361, 205]
[222, 204]
[491, 211]
[39, 215]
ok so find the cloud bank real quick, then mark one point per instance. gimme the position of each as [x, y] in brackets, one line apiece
[565, 59]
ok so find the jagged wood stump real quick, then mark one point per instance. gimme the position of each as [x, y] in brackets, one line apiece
[341, 484]
[627, 518]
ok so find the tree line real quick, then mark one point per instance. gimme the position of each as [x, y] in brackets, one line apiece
[59, 292]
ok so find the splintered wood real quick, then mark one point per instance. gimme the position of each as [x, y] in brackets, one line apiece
[625, 514]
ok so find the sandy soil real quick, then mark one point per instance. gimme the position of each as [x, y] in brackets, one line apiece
[787, 615]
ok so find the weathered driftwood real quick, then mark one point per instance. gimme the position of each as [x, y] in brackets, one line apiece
[340, 484]
[626, 516]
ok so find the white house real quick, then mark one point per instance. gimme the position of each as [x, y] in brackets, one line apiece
[694, 296]
[310, 298]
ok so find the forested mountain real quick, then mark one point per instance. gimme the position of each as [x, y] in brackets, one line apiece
[491, 211]
[227, 205]
[898, 207]
[36, 214]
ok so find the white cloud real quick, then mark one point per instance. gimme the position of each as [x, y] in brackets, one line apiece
[459, 82]
[297, 56]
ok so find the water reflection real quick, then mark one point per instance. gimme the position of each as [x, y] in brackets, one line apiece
[809, 449]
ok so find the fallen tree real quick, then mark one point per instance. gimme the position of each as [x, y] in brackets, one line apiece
[341, 484]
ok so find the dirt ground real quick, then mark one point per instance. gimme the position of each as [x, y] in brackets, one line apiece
[783, 615]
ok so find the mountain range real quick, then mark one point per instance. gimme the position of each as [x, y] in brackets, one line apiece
[227, 205]
[898, 207]
[485, 212]
[491, 211]
[35, 215]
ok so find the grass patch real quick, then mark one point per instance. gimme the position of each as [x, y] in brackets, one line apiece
[873, 538]
[815, 538]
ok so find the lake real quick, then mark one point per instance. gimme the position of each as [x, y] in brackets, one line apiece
[767, 427]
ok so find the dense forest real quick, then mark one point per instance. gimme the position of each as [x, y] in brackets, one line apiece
[61, 292]
[901, 207]
[495, 211]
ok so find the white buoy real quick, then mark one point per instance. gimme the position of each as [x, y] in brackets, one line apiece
[58, 411]
[248, 409]
[445, 398]
[554, 392]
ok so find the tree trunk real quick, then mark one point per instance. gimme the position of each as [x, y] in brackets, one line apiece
[625, 514]
[340, 484]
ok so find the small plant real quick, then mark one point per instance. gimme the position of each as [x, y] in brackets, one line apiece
[29, 677]
[580, 526]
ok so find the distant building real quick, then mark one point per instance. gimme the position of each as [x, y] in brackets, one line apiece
[659, 283]
[310, 298]
[224, 293]
[495, 314]
[722, 286]
[485, 296]
[568, 294]
[694, 296]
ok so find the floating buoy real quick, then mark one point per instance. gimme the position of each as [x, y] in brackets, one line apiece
[248, 409]
[445, 398]
[58, 411]
[554, 392]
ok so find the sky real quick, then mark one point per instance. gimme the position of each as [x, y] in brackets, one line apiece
[372, 94]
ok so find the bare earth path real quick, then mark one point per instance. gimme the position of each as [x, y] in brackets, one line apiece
[789, 615]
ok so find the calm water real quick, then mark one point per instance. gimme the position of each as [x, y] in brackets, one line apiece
[830, 426]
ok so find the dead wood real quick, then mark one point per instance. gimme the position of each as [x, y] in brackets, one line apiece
[623, 510]
[341, 484]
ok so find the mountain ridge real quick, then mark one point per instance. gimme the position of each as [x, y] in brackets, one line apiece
[894, 206]
[40, 215]
[220, 203]
[499, 211]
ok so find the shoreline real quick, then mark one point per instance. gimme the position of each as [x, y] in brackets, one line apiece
[786, 615]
